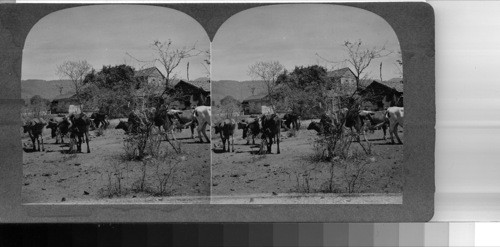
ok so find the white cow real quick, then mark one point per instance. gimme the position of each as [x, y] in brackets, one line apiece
[396, 116]
[203, 115]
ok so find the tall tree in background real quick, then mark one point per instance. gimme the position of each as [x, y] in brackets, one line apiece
[304, 89]
[75, 71]
[360, 58]
[111, 90]
[268, 73]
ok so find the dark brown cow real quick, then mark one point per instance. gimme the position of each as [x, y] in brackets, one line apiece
[34, 128]
[250, 127]
[99, 119]
[316, 126]
[226, 129]
[59, 127]
[271, 129]
[291, 120]
[124, 125]
[80, 124]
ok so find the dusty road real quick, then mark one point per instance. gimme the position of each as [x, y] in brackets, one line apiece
[54, 176]
[245, 175]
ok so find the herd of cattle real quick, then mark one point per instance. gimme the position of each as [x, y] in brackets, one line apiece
[268, 127]
[76, 126]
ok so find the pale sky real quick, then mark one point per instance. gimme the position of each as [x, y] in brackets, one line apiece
[103, 34]
[292, 34]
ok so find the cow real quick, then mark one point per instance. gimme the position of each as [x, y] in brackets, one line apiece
[377, 119]
[395, 115]
[59, 127]
[355, 118]
[271, 129]
[202, 115]
[34, 128]
[226, 129]
[250, 127]
[79, 127]
[166, 119]
[318, 127]
[99, 119]
[184, 119]
[124, 125]
[291, 120]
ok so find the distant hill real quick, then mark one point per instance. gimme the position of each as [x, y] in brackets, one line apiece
[239, 90]
[46, 89]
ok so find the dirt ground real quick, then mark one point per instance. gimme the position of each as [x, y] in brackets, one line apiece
[243, 174]
[55, 176]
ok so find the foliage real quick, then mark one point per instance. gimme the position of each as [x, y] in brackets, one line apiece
[304, 90]
[268, 73]
[111, 90]
[76, 72]
[37, 107]
[360, 57]
[229, 107]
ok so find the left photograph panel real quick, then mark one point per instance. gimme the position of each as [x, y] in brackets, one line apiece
[116, 107]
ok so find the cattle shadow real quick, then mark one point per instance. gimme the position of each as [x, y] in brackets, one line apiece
[387, 144]
[30, 150]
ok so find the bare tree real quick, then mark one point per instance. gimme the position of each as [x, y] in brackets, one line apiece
[76, 72]
[399, 64]
[268, 73]
[169, 57]
[206, 62]
[360, 58]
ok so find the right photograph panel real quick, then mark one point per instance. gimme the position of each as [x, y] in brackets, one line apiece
[307, 107]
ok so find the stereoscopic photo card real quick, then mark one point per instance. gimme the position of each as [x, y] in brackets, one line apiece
[217, 112]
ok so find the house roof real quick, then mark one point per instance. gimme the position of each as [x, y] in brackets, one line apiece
[147, 72]
[339, 72]
[205, 85]
[393, 84]
[256, 97]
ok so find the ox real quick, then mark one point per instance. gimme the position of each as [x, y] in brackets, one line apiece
[185, 119]
[202, 115]
[79, 127]
[271, 128]
[396, 116]
[250, 127]
[377, 120]
[124, 125]
[59, 127]
[318, 127]
[226, 129]
[34, 128]
[291, 120]
[99, 119]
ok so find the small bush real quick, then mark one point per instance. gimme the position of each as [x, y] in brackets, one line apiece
[139, 146]
[354, 169]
